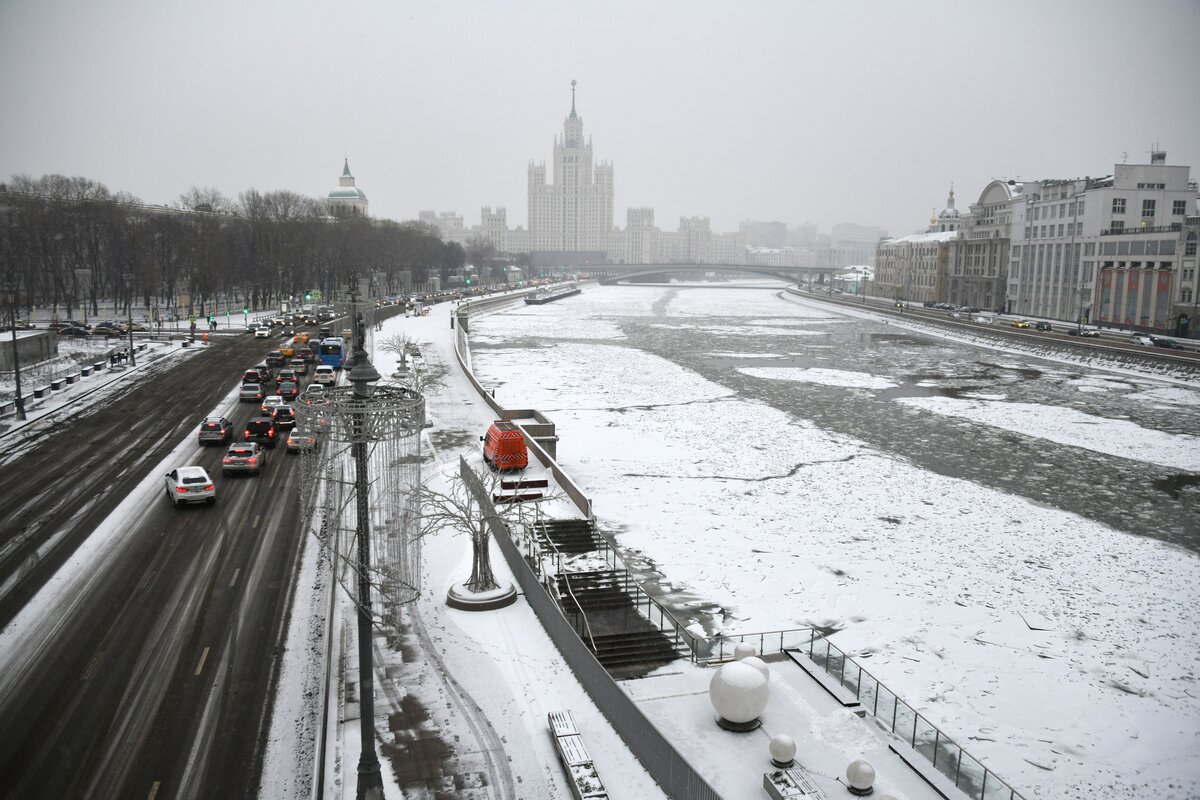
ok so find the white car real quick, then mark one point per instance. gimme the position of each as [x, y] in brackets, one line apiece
[190, 485]
[270, 403]
[262, 332]
[325, 375]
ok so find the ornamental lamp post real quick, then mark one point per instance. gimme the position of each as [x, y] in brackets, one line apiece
[363, 377]
[13, 283]
[128, 276]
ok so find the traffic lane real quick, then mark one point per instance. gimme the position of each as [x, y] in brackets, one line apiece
[123, 708]
[69, 701]
[72, 478]
[207, 739]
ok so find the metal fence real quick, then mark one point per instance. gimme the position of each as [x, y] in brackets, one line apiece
[893, 714]
[662, 761]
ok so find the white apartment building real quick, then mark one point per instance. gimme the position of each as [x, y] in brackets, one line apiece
[449, 225]
[852, 244]
[1103, 250]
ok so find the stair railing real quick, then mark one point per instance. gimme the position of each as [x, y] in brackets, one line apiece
[587, 628]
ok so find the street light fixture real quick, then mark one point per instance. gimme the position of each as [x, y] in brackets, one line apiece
[364, 377]
[128, 276]
[13, 283]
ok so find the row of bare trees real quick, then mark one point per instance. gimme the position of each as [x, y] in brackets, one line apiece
[70, 244]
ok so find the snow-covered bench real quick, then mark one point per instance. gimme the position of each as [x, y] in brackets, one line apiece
[581, 772]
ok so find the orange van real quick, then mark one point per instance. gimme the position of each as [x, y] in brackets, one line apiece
[504, 447]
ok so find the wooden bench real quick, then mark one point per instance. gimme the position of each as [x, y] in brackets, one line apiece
[527, 483]
[520, 497]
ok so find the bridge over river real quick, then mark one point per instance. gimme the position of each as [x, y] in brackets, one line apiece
[615, 273]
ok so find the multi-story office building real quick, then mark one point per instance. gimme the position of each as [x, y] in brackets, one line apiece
[979, 259]
[449, 225]
[852, 244]
[763, 234]
[1187, 303]
[641, 240]
[1105, 250]
[914, 268]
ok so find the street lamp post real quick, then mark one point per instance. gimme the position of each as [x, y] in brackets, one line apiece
[13, 286]
[363, 378]
[128, 276]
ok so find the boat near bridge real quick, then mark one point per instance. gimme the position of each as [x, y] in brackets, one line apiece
[543, 296]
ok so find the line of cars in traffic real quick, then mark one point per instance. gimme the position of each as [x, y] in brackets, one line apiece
[274, 384]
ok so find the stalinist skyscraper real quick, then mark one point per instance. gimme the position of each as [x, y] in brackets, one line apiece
[574, 214]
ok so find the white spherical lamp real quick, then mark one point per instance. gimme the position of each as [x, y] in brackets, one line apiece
[783, 751]
[860, 778]
[759, 665]
[742, 650]
[738, 692]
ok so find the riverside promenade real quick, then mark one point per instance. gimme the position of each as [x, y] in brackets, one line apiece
[473, 689]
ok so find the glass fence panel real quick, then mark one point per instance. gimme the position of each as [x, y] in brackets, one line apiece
[970, 776]
[885, 708]
[868, 691]
[906, 720]
[795, 640]
[997, 789]
[925, 738]
[948, 756]
[851, 676]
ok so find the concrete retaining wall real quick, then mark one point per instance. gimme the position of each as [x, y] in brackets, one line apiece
[31, 347]
[462, 352]
[669, 769]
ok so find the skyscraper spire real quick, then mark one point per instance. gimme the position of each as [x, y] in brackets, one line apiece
[572, 98]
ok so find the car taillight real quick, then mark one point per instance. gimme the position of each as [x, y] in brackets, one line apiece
[181, 489]
[247, 433]
[270, 434]
[252, 460]
[209, 488]
[227, 460]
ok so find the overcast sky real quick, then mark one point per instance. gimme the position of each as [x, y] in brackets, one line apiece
[801, 112]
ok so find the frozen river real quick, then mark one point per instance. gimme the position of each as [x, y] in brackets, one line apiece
[1007, 541]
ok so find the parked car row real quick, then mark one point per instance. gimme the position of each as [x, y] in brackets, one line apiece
[1150, 340]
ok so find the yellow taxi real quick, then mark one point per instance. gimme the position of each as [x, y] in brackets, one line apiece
[1019, 323]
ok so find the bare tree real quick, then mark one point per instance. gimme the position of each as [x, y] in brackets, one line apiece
[460, 509]
[412, 372]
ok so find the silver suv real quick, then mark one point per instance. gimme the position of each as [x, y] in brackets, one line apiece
[215, 429]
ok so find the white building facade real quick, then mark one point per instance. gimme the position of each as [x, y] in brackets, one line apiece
[1106, 250]
[574, 212]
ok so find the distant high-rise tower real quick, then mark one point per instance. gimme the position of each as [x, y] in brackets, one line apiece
[574, 213]
[348, 198]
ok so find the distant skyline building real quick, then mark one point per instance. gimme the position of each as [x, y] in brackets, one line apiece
[572, 214]
[347, 196]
